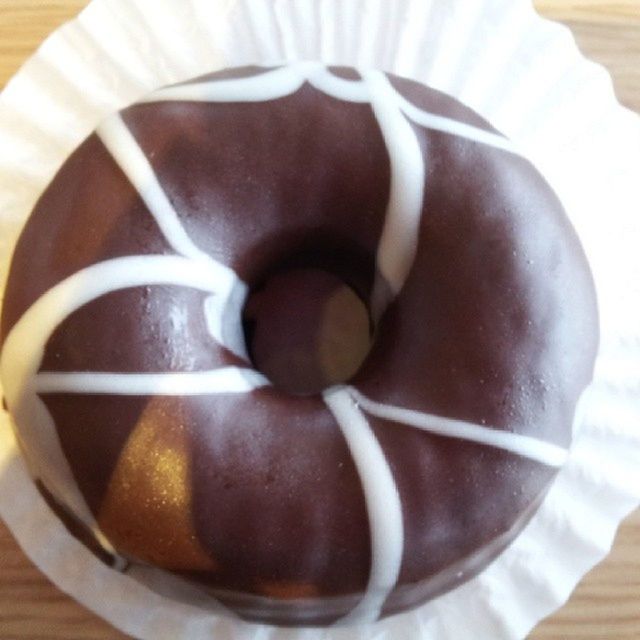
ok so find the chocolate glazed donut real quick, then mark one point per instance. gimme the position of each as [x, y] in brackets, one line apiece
[127, 373]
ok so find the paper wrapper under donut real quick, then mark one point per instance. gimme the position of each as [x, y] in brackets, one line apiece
[520, 72]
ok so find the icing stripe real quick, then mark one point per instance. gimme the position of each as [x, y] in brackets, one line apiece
[40, 445]
[24, 347]
[128, 155]
[538, 450]
[339, 88]
[399, 239]
[270, 85]
[125, 150]
[217, 381]
[221, 314]
[285, 81]
[382, 501]
[455, 127]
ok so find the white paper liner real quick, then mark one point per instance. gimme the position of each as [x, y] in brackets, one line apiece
[522, 73]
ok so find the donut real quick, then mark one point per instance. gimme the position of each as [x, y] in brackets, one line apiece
[139, 328]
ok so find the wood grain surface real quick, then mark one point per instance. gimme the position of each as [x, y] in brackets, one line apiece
[605, 606]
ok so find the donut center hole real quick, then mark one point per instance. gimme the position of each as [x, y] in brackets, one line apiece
[306, 330]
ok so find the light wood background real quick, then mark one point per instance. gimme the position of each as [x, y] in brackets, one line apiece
[606, 605]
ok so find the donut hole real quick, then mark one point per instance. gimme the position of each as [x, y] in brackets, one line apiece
[306, 330]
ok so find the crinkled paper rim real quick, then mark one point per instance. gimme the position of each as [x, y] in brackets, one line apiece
[522, 73]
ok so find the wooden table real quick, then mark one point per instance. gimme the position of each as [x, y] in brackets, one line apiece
[606, 605]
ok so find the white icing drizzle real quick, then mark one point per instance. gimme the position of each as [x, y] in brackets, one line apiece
[455, 127]
[128, 155]
[217, 381]
[336, 87]
[284, 81]
[399, 240]
[221, 314]
[125, 150]
[24, 348]
[41, 447]
[382, 501]
[538, 450]
[270, 85]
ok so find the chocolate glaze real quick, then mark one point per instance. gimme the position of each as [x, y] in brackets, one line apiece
[496, 324]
